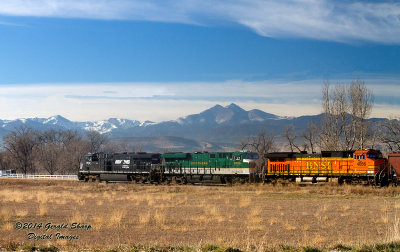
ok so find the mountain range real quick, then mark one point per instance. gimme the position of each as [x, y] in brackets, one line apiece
[217, 128]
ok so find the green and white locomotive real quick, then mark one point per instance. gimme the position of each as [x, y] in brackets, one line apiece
[209, 166]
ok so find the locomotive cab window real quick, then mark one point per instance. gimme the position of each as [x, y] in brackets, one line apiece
[95, 158]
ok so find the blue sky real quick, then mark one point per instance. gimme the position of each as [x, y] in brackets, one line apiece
[159, 60]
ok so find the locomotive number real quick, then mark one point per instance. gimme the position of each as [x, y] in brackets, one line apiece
[361, 163]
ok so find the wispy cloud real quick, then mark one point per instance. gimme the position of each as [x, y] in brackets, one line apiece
[12, 24]
[331, 20]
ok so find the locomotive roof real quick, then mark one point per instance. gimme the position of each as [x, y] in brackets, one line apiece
[281, 155]
[126, 154]
[137, 154]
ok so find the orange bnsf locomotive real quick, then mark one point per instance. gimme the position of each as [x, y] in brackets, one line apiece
[365, 166]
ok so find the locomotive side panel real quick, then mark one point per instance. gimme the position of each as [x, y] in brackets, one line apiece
[208, 165]
[118, 166]
[349, 165]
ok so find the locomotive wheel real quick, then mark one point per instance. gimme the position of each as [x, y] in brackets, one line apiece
[244, 180]
[222, 179]
[349, 181]
[179, 180]
[172, 180]
[228, 180]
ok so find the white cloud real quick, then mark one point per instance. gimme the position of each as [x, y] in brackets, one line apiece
[343, 21]
[168, 101]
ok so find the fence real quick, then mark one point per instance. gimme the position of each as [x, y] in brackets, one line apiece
[23, 176]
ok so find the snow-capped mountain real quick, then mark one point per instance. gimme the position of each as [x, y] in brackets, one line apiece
[59, 122]
[107, 126]
[217, 126]
[215, 116]
[231, 114]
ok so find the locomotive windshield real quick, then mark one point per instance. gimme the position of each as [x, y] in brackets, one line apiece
[91, 158]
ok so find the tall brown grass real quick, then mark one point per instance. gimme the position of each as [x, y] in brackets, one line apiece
[254, 217]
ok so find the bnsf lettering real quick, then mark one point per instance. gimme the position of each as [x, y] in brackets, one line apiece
[314, 165]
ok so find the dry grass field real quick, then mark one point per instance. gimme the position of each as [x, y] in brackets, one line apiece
[247, 217]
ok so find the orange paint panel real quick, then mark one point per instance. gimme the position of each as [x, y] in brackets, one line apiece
[367, 162]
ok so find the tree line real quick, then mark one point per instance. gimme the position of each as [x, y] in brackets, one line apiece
[344, 126]
[52, 151]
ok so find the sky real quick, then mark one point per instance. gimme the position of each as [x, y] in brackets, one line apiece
[160, 60]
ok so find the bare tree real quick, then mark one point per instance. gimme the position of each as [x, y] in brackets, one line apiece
[112, 147]
[139, 148]
[334, 123]
[346, 110]
[74, 154]
[48, 156]
[96, 140]
[6, 161]
[361, 100]
[20, 144]
[390, 134]
[290, 136]
[310, 134]
[68, 136]
[262, 143]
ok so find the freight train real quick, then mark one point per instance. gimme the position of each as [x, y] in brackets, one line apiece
[361, 166]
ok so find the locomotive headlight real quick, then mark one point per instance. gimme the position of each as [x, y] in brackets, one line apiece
[248, 160]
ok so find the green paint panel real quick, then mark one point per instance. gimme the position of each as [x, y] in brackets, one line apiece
[209, 159]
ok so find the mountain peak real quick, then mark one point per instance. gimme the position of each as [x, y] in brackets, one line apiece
[56, 119]
[233, 106]
[59, 117]
[215, 107]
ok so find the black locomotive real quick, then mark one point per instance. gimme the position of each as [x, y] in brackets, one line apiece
[138, 167]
